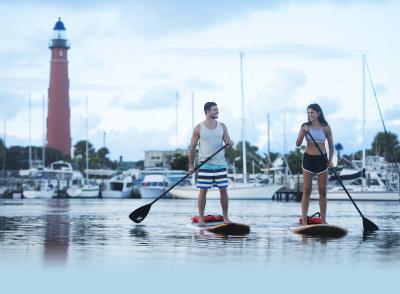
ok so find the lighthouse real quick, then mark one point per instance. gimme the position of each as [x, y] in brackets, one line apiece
[58, 115]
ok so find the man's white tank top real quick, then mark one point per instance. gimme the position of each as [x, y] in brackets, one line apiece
[210, 142]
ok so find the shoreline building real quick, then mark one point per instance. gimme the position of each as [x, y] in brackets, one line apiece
[160, 158]
[58, 116]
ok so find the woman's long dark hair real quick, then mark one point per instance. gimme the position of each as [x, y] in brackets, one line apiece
[318, 109]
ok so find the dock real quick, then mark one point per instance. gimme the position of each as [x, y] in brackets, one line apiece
[286, 194]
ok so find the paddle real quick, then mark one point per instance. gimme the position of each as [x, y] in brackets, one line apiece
[368, 225]
[138, 215]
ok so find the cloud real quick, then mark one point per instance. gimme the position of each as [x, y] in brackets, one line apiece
[126, 143]
[290, 50]
[10, 104]
[279, 95]
[328, 104]
[159, 97]
[78, 126]
[393, 113]
[198, 85]
[380, 89]
[155, 75]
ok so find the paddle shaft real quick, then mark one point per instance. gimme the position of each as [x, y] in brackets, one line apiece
[189, 174]
[336, 176]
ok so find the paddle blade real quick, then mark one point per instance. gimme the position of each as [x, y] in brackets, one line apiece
[369, 226]
[138, 215]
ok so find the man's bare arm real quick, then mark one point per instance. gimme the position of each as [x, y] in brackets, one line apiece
[192, 147]
[226, 137]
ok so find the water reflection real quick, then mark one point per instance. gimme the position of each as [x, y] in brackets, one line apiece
[139, 232]
[57, 232]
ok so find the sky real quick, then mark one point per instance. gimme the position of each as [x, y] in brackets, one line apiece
[141, 62]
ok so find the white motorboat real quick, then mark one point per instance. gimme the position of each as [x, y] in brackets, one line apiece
[118, 187]
[40, 191]
[156, 182]
[88, 190]
[370, 188]
[3, 190]
[153, 186]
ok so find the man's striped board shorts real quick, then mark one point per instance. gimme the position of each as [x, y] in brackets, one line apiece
[210, 175]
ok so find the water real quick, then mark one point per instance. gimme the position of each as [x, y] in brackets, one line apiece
[71, 234]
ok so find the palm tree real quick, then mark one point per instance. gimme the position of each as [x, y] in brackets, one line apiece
[338, 148]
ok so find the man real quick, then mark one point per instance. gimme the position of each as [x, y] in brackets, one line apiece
[212, 134]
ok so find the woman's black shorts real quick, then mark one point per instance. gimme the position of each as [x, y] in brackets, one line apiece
[315, 164]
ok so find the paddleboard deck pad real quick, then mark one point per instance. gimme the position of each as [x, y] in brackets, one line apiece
[320, 230]
[230, 229]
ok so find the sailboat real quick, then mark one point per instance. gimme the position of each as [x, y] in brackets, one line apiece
[88, 189]
[371, 167]
[37, 186]
[236, 191]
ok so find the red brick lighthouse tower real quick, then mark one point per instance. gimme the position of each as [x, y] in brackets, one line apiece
[58, 116]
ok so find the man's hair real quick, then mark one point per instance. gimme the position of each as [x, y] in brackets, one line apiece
[208, 105]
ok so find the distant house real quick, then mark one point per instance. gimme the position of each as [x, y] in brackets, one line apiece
[160, 158]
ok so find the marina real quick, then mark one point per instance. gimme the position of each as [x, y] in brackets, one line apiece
[199, 146]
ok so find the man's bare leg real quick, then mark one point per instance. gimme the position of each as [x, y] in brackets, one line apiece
[202, 205]
[224, 204]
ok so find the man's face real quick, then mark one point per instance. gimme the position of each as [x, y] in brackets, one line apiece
[214, 112]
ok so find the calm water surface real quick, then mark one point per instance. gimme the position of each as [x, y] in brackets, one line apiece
[70, 233]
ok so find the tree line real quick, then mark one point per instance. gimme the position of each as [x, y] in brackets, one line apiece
[17, 157]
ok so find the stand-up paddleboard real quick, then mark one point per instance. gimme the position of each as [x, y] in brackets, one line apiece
[233, 229]
[212, 225]
[319, 230]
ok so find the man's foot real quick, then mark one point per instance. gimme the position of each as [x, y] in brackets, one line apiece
[227, 221]
[304, 222]
[323, 222]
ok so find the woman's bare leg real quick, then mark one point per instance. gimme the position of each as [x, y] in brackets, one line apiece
[322, 181]
[305, 199]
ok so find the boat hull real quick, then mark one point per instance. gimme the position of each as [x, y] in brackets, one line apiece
[360, 196]
[83, 192]
[116, 194]
[258, 192]
[46, 194]
[152, 192]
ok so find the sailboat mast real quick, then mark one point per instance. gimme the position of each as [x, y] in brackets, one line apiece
[87, 136]
[243, 122]
[363, 113]
[5, 150]
[43, 136]
[192, 111]
[30, 132]
[269, 158]
[176, 118]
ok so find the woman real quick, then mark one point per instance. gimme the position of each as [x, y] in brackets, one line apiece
[313, 161]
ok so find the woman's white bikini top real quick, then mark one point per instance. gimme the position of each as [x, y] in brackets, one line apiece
[318, 135]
